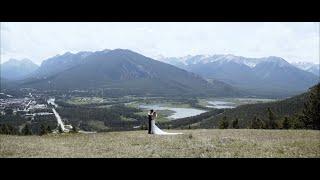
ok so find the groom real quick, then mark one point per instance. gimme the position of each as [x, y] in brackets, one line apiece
[150, 117]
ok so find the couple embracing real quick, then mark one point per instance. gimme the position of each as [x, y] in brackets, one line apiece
[152, 128]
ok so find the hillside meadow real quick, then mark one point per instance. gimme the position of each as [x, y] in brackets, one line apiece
[193, 143]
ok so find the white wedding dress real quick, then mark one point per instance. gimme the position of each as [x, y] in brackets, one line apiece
[158, 131]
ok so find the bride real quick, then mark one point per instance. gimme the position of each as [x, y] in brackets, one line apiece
[154, 127]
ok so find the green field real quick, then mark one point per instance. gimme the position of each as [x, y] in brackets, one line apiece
[193, 143]
[85, 100]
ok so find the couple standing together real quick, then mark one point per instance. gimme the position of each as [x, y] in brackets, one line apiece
[152, 128]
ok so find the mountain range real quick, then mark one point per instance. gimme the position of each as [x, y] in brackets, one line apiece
[123, 72]
[257, 76]
[307, 66]
[14, 69]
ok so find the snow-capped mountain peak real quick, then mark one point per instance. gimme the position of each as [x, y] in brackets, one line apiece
[276, 61]
[308, 66]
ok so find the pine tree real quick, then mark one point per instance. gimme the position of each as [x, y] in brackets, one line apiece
[224, 124]
[26, 130]
[261, 124]
[10, 129]
[49, 129]
[311, 112]
[271, 123]
[4, 129]
[43, 130]
[235, 124]
[285, 123]
[8, 111]
[256, 123]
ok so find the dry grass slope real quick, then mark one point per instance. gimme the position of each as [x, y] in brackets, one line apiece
[193, 143]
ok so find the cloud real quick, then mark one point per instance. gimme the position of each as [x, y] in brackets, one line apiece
[41, 40]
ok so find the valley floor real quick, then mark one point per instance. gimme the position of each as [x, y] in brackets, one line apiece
[193, 143]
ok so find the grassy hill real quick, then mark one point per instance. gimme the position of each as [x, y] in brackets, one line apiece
[193, 143]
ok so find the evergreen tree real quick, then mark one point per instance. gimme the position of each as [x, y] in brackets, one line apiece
[286, 123]
[43, 130]
[26, 130]
[4, 129]
[311, 112]
[256, 123]
[49, 129]
[261, 123]
[224, 124]
[271, 123]
[8, 111]
[235, 124]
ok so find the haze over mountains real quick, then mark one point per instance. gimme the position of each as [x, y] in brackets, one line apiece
[259, 76]
[59, 63]
[121, 71]
[17, 69]
[127, 72]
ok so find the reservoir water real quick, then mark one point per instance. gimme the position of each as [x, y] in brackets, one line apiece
[178, 112]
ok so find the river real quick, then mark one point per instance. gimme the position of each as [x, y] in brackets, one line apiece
[178, 112]
[59, 120]
[52, 102]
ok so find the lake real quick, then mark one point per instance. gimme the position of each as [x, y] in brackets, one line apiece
[178, 112]
[227, 103]
[221, 104]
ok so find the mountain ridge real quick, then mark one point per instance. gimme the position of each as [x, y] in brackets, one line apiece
[14, 69]
[257, 76]
[124, 70]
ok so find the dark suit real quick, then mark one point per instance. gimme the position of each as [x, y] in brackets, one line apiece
[149, 120]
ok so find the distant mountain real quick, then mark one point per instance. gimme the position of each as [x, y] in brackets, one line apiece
[122, 71]
[17, 69]
[269, 76]
[61, 63]
[310, 67]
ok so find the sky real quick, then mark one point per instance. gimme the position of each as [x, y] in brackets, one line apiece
[37, 41]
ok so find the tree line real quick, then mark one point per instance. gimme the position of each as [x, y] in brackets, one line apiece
[309, 118]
